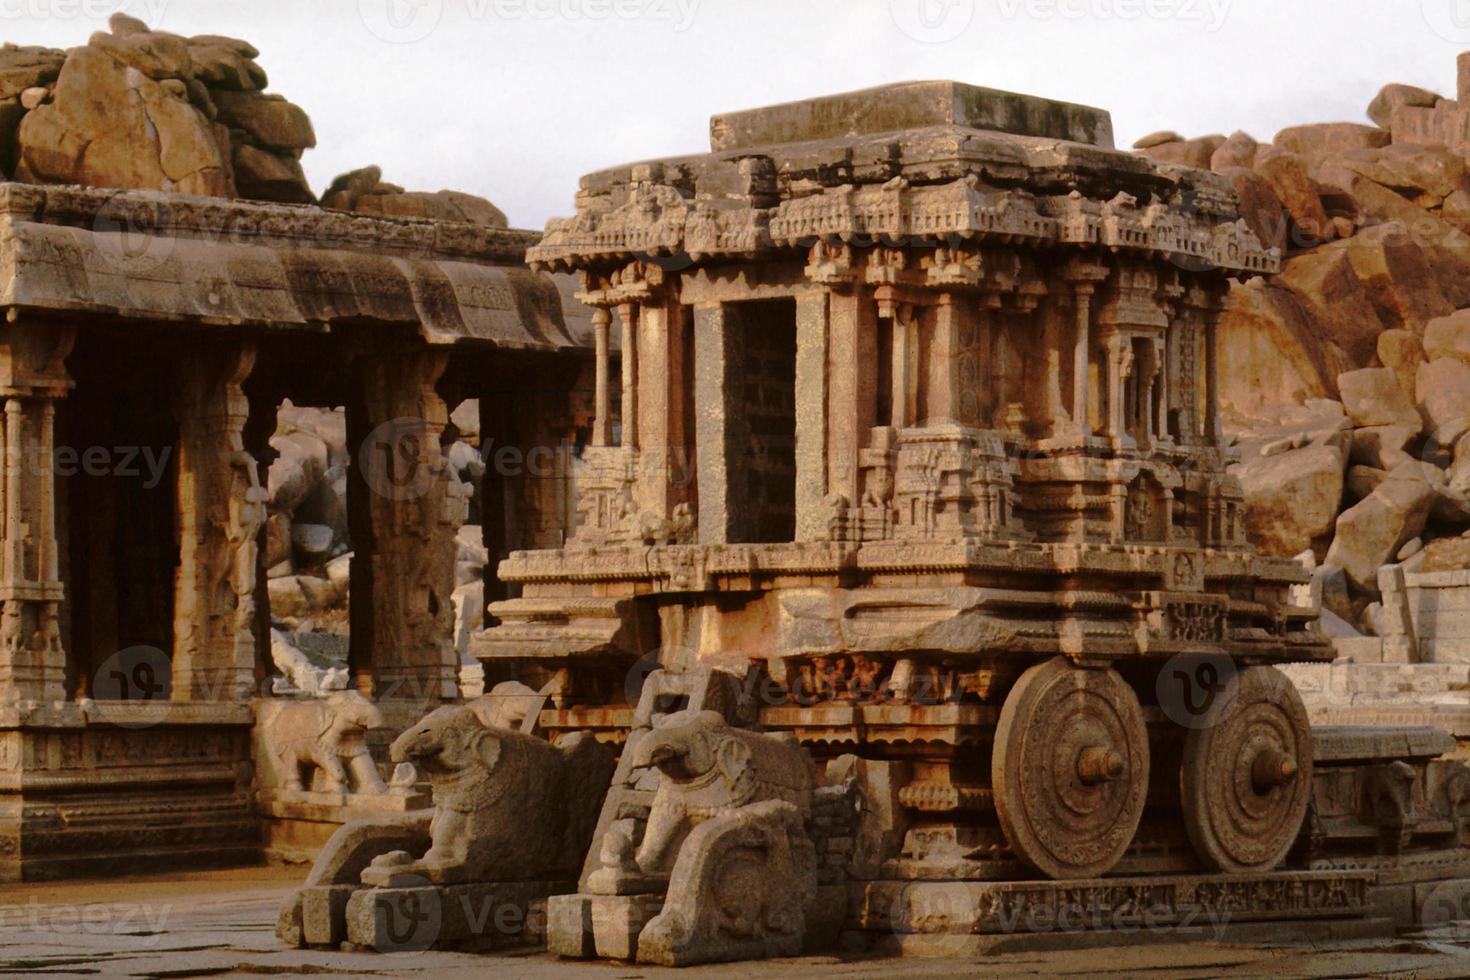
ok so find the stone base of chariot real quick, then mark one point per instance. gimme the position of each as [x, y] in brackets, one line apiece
[955, 918]
[477, 917]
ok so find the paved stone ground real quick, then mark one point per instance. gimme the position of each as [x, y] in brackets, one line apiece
[220, 924]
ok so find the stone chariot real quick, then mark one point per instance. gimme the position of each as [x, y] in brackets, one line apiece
[919, 416]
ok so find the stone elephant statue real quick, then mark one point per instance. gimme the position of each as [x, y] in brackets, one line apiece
[507, 806]
[709, 769]
[327, 733]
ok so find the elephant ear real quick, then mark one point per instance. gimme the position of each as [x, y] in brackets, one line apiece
[487, 748]
[327, 715]
[733, 758]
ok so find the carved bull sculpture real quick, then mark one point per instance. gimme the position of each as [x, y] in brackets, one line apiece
[710, 769]
[327, 733]
[507, 806]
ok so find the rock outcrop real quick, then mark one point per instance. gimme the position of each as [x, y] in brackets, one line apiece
[365, 191]
[1372, 221]
[1346, 379]
[137, 108]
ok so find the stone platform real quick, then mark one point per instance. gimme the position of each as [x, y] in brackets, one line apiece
[211, 923]
[1118, 906]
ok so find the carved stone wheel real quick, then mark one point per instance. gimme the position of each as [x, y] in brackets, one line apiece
[1070, 769]
[1246, 776]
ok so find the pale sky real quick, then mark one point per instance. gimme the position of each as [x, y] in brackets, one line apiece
[515, 99]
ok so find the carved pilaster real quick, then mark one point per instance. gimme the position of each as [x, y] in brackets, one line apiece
[1084, 278]
[32, 378]
[221, 507]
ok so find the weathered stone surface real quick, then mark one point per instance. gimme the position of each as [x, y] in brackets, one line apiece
[1444, 398]
[1424, 175]
[264, 176]
[910, 105]
[225, 62]
[1456, 211]
[1459, 472]
[1158, 139]
[1319, 422]
[1446, 555]
[1373, 397]
[26, 67]
[1237, 151]
[1371, 532]
[1393, 95]
[313, 542]
[156, 54]
[364, 190]
[1363, 480]
[1319, 138]
[1401, 351]
[1448, 336]
[111, 126]
[1260, 208]
[1290, 337]
[1287, 175]
[440, 205]
[1384, 447]
[296, 597]
[301, 462]
[1198, 152]
[1292, 499]
[269, 119]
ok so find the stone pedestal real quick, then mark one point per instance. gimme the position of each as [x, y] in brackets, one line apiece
[485, 916]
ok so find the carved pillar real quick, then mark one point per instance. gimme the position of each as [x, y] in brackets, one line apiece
[1081, 358]
[627, 313]
[852, 368]
[905, 339]
[811, 408]
[1214, 433]
[716, 372]
[1120, 358]
[1159, 410]
[665, 480]
[221, 508]
[405, 504]
[602, 422]
[32, 378]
